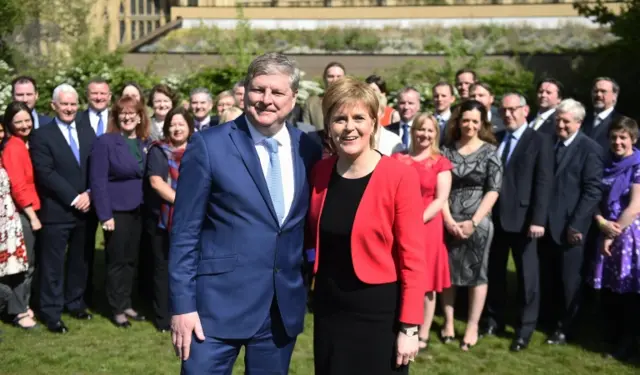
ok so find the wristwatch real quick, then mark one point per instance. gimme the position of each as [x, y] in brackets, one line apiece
[409, 330]
[475, 225]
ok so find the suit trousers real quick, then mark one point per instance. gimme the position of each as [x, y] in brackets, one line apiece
[268, 352]
[54, 293]
[525, 256]
[92, 229]
[158, 242]
[121, 256]
[561, 282]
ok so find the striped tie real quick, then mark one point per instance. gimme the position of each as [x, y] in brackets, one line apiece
[274, 178]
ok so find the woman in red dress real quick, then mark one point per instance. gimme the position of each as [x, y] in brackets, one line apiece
[435, 183]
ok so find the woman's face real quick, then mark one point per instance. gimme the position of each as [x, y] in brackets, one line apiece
[351, 129]
[22, 124]
[224, 103]
[178, 130]
[425, 135]
[128, 119]
[161, 105]
[470, 123]
[131, 91]
[621, 143]
[1, 131]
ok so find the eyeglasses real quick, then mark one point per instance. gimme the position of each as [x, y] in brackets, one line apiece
[128, 114]
[512, 109]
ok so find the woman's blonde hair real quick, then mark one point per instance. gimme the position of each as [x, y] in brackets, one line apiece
[230, 114]
[417, 124]
[349, 91]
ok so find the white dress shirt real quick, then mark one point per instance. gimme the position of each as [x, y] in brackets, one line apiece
[94, 119]
[285, 154]
[569, 140]
[541, 118]
[388, 142]
[597, 119]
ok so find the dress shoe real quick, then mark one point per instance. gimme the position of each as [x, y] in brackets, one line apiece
[81, 315]
[492, 331]
[558, 338]
[446, 339]
[58, 327]
[519, 344]
[624, 350]
[124, 324]
[136, 316]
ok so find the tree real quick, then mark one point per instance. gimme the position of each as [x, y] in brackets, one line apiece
[13, 16]
[626, 24]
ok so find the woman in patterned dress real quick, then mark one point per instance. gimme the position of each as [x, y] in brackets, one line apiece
[617, 266]
[435, 183]
[476, 181]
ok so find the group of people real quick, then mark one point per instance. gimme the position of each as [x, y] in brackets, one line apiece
[374, 209]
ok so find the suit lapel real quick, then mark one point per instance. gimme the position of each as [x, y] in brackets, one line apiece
[298, 170]
[243, 142]
[521, 146]
[57, 133]
[568, 152]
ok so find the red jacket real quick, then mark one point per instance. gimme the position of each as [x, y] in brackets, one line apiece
[387, 240]
[17, 163]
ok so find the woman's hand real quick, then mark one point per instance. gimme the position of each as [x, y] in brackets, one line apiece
[610, 229]
[109, 225]
[466, 228]
[606, 247]
[407, 349]
[35, 224]
[453, 229]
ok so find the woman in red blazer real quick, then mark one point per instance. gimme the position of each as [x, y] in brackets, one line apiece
[365, 220]
[17, 162]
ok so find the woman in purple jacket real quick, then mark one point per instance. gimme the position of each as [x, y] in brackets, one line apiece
[117, 169]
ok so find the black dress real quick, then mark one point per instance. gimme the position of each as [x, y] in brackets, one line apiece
[355, 324]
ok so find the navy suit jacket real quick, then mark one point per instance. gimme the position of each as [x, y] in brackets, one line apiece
[229, 258]
[548, 126]
[43, 120]
[600, 133]
[577, 188]
[115, 175]
[59, 177]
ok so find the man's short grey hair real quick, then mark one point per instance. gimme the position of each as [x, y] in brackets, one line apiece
[523, 100]
[407, 89]
[63, 88]
[201, 90]
[271, 63]
[240, 83]
[574, 107]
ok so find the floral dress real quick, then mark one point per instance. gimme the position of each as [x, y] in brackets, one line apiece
[13, 252]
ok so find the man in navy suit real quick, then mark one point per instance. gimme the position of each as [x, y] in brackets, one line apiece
[236, 252]
[549, 93]
[576, 194]
[60, 154]
[604, 96]
[24, 89]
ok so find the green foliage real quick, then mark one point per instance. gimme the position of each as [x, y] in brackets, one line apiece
[215, 79]
[13, 15]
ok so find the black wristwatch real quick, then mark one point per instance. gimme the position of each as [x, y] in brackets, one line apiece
[409, 330]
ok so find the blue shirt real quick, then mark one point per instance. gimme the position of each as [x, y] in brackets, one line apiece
[515, 137]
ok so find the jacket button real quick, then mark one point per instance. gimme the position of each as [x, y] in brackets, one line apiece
[276, 270]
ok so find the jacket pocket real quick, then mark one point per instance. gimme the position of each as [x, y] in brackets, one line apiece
[217, 266]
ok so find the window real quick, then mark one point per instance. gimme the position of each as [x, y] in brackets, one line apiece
[141, 28]
[149, 26]
[123, 30]
[133, 6]
[141, 8]
[122, 8]
[133, 30]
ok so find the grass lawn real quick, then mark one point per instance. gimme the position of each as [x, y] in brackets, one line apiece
[97, 347]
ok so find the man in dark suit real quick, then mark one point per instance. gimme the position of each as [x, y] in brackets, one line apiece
[60, 154]
[483, 93]
[604, 97]
[549, 93]
[576, 194]
[95, 117]
[408, 108]
[201, 104]
[519, 218]
[24, 89]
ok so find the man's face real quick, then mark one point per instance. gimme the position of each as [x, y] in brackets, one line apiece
[463, 82]
[603, 95]
[66, 106]
[26, 93]
[99, 96]
[513, 113]
[408, 105]
[548, 96]
[333, 74]
[483, 96]
[269, 100]
[566, 125]
[442, 98]
[238, 93]
[201, 105]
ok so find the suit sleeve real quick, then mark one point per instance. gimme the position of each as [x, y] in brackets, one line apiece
[192, 197]
[408, 231]
[15, 159]
[591, 192]
[543, 184]
[99, 178]
[45, 170]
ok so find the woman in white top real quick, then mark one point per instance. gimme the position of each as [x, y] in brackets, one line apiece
[387, 142]
[161, 100]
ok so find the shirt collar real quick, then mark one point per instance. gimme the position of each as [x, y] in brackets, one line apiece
[72, 125]
[518, 132]
[545, 115]
[282, 136]
[446, 115]
[603, 115]
[570, 139]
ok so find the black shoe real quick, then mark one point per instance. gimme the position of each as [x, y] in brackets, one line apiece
[492, 331]
[137, 317]
[624, 350]
[81, 315]
[558, 338]
[465, 346]
[124, 324]
[446, 339]
[58, 327]
[519, 344]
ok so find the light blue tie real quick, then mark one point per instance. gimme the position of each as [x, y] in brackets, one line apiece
[405, 135]
[274, 178]
[73, 144]
[100, 130]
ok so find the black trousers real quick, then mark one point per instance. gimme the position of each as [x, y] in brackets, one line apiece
[158, 240]
[561, 268]
[92, 229]
[54, 293]
[121, 255]
[525, 256]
